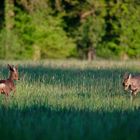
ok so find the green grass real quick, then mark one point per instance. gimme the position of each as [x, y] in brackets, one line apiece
[70, 100]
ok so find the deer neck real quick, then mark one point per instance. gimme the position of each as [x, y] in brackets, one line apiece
[11, 77]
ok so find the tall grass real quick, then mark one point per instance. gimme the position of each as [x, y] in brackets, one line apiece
[70, 100]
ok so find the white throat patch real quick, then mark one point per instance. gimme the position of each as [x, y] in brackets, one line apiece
[2, 85]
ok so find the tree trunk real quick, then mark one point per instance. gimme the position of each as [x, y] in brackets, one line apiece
[9, 23]
[9, 14]
[91, 54]
[58, 5]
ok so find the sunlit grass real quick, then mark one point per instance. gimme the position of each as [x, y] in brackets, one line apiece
[70, 100]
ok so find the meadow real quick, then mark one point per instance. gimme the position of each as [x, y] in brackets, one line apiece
[70, 100]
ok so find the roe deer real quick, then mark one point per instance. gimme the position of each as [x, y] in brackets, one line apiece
[6, 86]
[131, 83]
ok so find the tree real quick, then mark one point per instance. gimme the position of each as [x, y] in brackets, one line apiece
[91, 29]
[83, 21]
[36, 29]
[45, 35]
[130, 29]
[122, 30]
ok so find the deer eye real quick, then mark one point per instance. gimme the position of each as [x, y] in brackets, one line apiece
[123, 84]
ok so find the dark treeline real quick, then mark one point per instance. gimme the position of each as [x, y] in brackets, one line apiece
[39, 29]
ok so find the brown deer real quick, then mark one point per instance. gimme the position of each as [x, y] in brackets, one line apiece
[6, 86]
[131, 83]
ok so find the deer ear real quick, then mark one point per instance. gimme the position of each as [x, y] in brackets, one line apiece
[10, 68]
[126, 75]
[129, 77]
[16, 67]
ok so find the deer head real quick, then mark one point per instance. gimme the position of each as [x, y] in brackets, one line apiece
[127, 81]
[13, 72]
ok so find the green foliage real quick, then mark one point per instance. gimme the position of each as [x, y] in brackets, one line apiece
[90, 33]
[88, 27]
[2, 48]
[108, 50]
[46, 34]
[25, 31]
[130, 31]
[51, 38]
[122, 31]
[68, 28]
[11, 46]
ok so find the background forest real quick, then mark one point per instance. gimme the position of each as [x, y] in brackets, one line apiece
[40, 29]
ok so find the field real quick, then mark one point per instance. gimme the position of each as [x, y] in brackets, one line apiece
[70, 100]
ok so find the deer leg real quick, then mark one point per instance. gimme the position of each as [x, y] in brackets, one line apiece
[14, 91]
[131, 96]
[135, 93]
[7, 94]
[6, 98]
